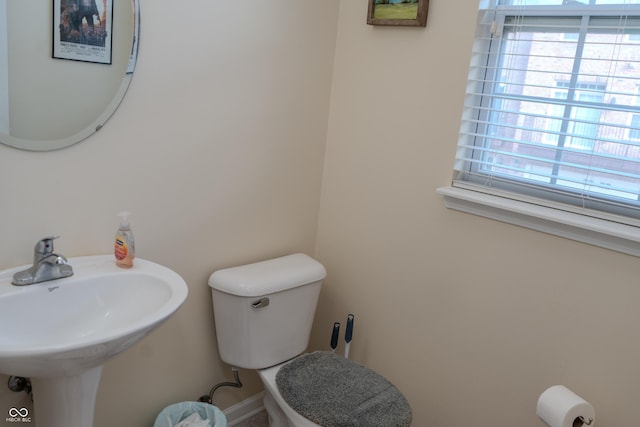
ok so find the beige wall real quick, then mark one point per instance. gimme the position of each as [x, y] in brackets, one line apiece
[218, 151]
[471, 318]
[218, 148]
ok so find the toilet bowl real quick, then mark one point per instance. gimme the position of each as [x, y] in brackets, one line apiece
[263, 316]
[279, 411]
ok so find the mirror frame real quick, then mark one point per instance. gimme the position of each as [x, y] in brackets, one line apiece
[57, 144]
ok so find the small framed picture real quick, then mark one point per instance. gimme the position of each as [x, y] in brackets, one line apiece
[411, 13]
[82, 30]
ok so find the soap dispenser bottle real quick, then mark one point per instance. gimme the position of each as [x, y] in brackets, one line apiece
[124, 247]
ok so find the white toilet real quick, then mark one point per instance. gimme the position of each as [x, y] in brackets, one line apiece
[263, 314]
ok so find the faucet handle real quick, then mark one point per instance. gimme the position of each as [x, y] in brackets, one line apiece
[44, 246]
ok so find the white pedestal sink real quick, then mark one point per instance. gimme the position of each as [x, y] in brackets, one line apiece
[59, 333]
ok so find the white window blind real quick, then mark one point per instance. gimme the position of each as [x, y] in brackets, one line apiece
[552, 110]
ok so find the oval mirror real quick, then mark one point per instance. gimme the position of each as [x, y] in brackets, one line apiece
[65, 66]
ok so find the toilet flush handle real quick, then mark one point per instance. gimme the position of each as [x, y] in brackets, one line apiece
[262, 302]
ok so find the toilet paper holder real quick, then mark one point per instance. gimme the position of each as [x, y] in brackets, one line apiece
[580, 421]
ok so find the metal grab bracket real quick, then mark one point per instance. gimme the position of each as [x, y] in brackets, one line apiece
[262, 302]
[580, 421]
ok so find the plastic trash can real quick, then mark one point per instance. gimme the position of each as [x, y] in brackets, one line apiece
[173, 414]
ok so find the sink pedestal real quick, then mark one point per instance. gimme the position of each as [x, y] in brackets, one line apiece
[66, 401]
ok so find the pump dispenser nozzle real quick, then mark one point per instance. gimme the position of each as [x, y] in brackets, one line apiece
[124, 218]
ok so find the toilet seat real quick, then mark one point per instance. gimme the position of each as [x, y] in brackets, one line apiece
[334, 391]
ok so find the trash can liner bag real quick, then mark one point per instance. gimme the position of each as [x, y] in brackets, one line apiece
[190, 414]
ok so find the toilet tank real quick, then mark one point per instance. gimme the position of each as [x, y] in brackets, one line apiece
[264, 311]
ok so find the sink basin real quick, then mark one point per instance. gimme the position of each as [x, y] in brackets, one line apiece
[60, 332]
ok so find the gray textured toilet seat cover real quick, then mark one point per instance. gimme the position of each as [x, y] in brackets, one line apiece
[336, 392]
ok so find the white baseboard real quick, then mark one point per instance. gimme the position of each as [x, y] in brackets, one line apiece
[243, 410]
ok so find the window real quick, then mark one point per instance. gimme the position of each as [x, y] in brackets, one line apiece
[634, 130]
[634, 127]
[551, 114]
[582, 126]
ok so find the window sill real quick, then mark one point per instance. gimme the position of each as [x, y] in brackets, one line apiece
[604, 233]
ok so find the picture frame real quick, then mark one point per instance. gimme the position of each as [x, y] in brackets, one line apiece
[410, 13]
[82, 30]
[133, 58]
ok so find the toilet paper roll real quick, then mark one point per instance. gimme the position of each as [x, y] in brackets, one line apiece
[560, 407]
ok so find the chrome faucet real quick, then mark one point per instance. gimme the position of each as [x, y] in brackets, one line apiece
[47, 265]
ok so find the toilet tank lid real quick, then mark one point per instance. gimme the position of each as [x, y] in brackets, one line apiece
[267, 277]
